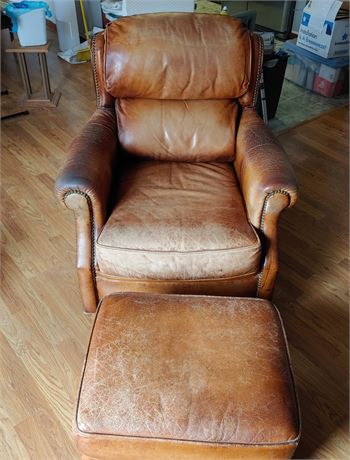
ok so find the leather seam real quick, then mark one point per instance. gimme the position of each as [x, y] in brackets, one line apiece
[109, 277]
[92, 235]
[262, 223]
[92, 434]
[290, 367]
[185, 253]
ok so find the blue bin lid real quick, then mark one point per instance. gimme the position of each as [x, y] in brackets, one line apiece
[342, 61]
[14, 10]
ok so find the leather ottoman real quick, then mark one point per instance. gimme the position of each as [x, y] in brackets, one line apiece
[171, 377]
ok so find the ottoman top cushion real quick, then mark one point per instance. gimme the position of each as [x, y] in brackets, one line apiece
[188, 368]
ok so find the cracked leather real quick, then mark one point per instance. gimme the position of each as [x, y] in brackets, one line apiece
[188, 369]
[157, 69]
[261, 165]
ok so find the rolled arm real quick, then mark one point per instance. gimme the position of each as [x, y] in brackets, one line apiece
[83, 185]
[89, 167]
[268, 186]
[262, 167]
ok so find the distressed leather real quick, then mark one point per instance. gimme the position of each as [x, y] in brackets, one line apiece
[178, 130]
[268, 186]
[261, 165]
[220, 384]
[88, 169]
[176, 220]
[179, 81]
[194, 56]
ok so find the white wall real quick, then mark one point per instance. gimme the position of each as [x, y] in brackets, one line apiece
[92, 11]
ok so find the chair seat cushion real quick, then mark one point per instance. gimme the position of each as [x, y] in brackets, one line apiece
[176, 220]
[187, 377]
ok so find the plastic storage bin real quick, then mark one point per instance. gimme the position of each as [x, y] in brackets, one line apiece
[31, 28]
[324, 76]
[28, 20]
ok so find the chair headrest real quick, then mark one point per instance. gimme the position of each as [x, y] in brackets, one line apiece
[177, 56]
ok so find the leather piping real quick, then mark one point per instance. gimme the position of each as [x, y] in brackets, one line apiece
[261, 226]
[203, 251]
[92, 223]
[289, 360]
[110, 277]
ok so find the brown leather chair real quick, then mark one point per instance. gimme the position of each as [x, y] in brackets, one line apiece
[176, 183]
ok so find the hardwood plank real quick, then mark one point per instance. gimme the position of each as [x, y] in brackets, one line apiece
[312, 291]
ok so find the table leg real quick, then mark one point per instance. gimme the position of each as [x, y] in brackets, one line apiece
[45, 75]
[24, 74]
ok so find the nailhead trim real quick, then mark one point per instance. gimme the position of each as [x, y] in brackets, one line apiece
[258, 76]
[261, 227]
[94, 71]
[267, 197]
[92, 223]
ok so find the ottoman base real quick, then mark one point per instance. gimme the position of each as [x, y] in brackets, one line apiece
[135, 449]
[170, 377]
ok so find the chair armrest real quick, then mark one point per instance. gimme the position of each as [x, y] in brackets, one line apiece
[268, 186]
[262, 167]
[88, 169]
[83, 185]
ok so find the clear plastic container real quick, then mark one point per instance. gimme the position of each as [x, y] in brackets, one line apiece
[323, 76]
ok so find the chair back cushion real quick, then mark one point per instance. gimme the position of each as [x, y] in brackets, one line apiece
[176, 79]
[178, 130]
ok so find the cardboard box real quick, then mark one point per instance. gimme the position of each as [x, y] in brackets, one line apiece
[324, 28]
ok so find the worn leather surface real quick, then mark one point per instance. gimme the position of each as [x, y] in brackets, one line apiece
[261, 165]
[245, 286]
[88, 168]
[197, 65]
[194, 56]
[176, 220]
[187, 369]
[178, 130]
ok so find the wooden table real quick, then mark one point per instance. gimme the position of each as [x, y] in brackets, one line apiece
[49, 98]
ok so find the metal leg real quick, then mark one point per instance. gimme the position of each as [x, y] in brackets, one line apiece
[24, 74]
[45, 75]
[13, 115]
[263, 99]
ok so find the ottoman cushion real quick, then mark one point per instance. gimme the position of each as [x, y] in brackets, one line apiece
[182, 377]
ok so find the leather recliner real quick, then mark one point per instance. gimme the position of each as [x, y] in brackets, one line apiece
[176, 183]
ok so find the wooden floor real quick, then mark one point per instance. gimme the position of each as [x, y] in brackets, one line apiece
[43, 333]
